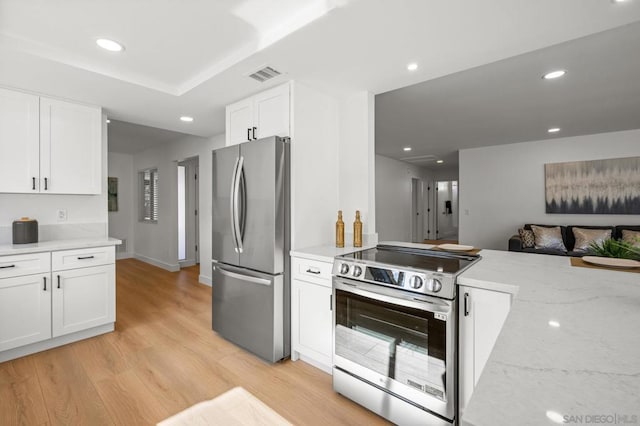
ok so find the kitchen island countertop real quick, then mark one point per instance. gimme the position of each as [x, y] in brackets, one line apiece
[570, 345]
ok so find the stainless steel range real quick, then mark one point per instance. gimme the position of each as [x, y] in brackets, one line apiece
[395, 319]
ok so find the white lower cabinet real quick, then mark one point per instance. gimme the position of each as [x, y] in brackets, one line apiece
[482, 315]
[83, 298]
[311, 313]
[25, 310]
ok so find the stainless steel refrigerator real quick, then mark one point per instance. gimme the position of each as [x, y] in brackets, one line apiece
[250, 246]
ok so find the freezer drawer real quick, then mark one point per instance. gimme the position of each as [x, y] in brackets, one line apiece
[248, 310]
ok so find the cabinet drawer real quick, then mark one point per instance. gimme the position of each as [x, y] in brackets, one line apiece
[24, 264]
[312, 271]
[82, 258]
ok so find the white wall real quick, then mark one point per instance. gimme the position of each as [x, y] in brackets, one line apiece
[158, 243]
[356, 160]
[86, 214]
[393, 198]
[121, 223]
[314, 167]
[502, 187]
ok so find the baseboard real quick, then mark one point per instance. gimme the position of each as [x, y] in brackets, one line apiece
[203, 279]
[187, 263]
[155, 262]
[55, 342]
[124, 256]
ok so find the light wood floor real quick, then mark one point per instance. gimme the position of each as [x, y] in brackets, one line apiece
[162, 358]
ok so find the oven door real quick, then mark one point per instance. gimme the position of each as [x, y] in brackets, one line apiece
[399, 342]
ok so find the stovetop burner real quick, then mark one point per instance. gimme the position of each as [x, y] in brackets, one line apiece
[412, 269]
[428, 260]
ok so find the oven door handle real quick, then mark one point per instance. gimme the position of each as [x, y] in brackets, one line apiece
[403, 300]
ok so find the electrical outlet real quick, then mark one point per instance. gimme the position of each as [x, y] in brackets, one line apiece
[62, 215]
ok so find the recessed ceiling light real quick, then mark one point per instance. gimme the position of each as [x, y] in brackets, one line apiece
[412, 66]
[186, 119]
[110, 45]
[439, 161]
[407, 148]
[554, 74]
[619, 1]
[553, 323]
[108, 121]
[554, 130]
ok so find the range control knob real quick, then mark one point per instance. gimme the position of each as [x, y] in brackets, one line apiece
[357, 271]
[434, 285]
[415, 282]
[344, 269]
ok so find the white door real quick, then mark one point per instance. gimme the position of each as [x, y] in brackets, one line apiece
[482, 315]
[83, 298]
[313, 314]
[19, 142]
[239, 122]
[272, 112]
[71, 148]
[25, 310]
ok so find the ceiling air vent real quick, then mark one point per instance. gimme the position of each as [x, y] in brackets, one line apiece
[264, 74]
[420, 159]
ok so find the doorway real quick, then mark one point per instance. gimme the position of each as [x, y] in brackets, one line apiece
[417, 226]
[188, 209]
[446, 210]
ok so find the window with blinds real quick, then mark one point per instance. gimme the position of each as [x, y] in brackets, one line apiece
[149, 195]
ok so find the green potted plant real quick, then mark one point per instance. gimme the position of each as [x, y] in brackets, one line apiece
[615, 248]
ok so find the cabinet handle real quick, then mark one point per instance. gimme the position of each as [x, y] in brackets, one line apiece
[466, 304]
[331, 302]
[33, 184]
[254, 133]
[7, 267]
[58, 281]
[85, 257]
[45, 283]
[310, 271]
[46, 185]
[248, 133]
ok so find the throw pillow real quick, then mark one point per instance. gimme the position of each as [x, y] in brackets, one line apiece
[585, 237]
[632, 237]
[527, 238]
[548, 238]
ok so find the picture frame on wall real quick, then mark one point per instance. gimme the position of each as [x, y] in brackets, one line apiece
[610, 186]
[112, 193]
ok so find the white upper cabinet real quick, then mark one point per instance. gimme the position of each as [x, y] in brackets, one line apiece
[49, 146]
[260, 116]
[19, 142]
[71, 147]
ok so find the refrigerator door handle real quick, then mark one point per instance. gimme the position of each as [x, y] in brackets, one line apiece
[242, 277]
[232, 205]
[235, 205]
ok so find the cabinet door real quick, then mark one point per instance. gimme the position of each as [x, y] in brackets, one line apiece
[83, 298]
[71, 148]
[271, 112]
[25, 310]
[482, 315]
[239, 122]
[19, 142]
[312, 331]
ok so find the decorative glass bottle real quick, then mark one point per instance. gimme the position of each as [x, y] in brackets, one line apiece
[340, 230]
[357, 231]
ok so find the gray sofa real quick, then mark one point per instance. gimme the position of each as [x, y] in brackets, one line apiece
[515, 243]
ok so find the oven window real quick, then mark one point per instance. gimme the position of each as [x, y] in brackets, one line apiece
[403, 343]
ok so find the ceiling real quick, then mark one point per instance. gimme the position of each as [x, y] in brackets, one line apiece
[508, 101]
[129, 138]
[192, 58]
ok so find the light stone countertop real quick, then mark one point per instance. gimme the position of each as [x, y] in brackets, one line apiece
[589, 365]
[55, 245]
